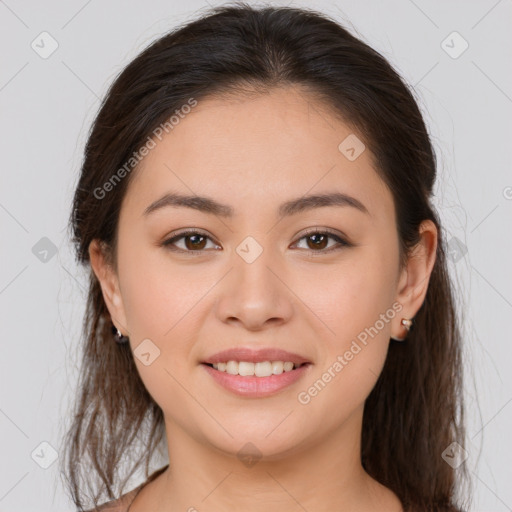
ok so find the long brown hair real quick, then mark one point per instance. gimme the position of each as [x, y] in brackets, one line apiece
[415, 410]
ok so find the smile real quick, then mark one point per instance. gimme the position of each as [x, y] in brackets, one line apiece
[241, 378]
[260, 369]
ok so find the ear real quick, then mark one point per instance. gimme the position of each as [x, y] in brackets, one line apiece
[109, 283]
[415, 277]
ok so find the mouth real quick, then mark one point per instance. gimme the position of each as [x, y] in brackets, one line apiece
[259, 369]
[256, 380]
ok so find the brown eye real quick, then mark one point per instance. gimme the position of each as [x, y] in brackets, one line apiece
[317, 241]
[194, 241]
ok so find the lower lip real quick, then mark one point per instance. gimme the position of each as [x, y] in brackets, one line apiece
[256, 387]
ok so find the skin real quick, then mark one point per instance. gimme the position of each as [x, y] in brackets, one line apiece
[253, 154]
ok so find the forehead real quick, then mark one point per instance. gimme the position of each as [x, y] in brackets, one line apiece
[258, 149]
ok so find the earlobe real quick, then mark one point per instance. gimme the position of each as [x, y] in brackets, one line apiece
[109, 283]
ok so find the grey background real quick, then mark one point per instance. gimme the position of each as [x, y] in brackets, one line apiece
[47, 106]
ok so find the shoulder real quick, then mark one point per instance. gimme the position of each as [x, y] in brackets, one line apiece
[123, 503]
[119, 505]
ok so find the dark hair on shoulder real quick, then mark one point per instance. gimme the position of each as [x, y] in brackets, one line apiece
[415, 410]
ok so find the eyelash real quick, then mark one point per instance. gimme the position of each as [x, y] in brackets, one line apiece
[313, 231]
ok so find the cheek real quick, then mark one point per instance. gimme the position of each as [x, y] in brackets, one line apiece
[163, 303]
[354, 304]
[158, 295]
[348, 297]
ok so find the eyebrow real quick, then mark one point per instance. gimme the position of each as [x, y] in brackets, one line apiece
[292, 207]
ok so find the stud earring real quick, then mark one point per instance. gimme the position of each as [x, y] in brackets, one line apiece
[407, 323]
[118, 337]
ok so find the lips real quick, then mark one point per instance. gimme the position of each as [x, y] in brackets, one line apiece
[257, 387]
[255, 356]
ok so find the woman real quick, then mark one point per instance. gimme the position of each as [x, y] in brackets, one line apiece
[254, 205]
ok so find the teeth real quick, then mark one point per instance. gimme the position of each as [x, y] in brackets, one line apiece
[262, 369]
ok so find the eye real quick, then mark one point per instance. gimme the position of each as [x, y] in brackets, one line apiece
[194, 241]
[319, 239]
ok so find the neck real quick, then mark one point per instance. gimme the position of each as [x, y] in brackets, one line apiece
[316, 476]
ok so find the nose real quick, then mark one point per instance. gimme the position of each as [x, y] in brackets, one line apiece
[255, 294]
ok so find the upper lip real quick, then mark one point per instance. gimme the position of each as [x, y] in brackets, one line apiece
[255, 356]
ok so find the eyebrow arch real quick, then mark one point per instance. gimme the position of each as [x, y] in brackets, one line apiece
[292, 207]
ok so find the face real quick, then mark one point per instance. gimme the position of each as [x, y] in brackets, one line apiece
[321, 281]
